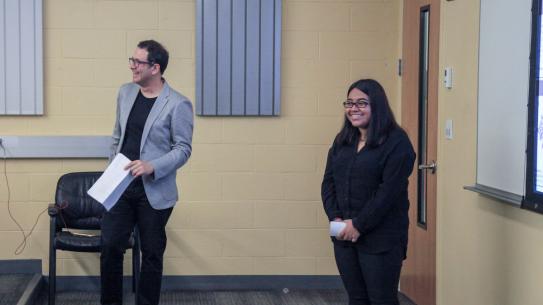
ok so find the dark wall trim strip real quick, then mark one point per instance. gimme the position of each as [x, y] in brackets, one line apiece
[20, 266]
[506, 197]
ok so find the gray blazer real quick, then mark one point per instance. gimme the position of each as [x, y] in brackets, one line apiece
[166, 142]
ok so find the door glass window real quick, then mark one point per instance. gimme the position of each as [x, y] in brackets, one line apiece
[423, 114]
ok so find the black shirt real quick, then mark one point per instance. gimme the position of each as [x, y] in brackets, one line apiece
[370, 187]
[134, 126]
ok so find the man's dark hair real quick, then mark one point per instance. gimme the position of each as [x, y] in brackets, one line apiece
[157, 53]
[382, 119]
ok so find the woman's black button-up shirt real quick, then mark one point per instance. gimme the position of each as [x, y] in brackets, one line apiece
[370, 187]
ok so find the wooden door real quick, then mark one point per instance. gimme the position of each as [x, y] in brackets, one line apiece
[420, 81]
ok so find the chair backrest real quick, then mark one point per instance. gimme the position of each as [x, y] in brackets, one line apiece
[77, 209]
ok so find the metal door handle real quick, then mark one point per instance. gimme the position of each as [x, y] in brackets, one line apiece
[432, 166]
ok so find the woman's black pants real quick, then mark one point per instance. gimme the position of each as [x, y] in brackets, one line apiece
[370, 279]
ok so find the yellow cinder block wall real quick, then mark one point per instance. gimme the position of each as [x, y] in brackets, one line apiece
[250, 195]
[488, 253]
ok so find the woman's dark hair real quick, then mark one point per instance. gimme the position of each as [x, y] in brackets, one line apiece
[382, 119]
[157, 54]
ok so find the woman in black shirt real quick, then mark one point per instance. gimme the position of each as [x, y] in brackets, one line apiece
[365, 186]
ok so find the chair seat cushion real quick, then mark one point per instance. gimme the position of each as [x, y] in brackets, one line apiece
[71, 241]
[75, 242]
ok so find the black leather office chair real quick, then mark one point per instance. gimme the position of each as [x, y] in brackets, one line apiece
[73, 210]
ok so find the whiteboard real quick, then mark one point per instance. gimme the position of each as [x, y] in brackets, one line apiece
[504, 50]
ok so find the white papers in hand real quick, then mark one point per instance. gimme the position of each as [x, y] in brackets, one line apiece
[111, 185]
[336, 227]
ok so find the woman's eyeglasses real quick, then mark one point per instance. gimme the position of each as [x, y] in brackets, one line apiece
[361, 103]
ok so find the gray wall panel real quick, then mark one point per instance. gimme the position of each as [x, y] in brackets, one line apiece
[2, 58]
[38, 55]
[209, 91]
[277, 58]
[13, 57]
[238, 57]
[199, 58]
[224, 57]
[266, 57]
[21, 57]
[28, 79]
[252, 57]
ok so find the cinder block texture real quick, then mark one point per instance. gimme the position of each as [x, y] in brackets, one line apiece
[250, 194]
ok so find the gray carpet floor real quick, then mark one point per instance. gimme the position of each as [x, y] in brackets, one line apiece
[12, 287]
[238, 297]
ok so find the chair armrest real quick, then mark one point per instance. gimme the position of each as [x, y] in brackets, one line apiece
[52, 210]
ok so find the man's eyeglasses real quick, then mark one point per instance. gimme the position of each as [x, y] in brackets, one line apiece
[134, 62]
[361, 103]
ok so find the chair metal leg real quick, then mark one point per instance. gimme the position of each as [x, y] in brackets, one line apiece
[52, 261]
[52, 275]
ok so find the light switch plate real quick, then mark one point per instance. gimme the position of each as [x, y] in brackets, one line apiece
[447, 78]
[449, 129]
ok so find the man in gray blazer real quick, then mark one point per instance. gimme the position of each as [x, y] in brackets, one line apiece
[153, 129]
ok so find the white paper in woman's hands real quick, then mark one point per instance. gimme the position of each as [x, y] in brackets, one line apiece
[336, 227]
